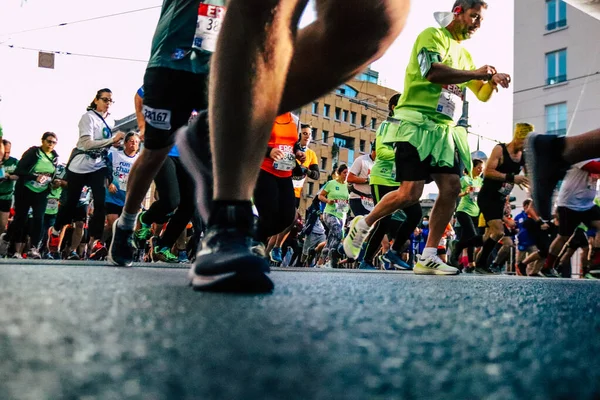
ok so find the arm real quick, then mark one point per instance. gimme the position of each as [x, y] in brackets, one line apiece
[323, 197]
[139, 115]
[444, 75]
[490, 171]
[355, 179]
[482, 90]
[86, 135]
[313, 172]
[26, 163]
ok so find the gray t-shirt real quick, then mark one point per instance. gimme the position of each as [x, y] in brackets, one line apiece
[578, 189]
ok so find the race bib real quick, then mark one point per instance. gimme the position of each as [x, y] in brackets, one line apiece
[210, 18]
[288, 162]
[52, 205]
[451, 101]
[367, 203]
[341, 206]
[506, 188]
[298, 183]
[474, 193]
[160, 119]
[122, 179]
[43, 183]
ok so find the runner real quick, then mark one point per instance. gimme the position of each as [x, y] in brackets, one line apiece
[264, 67]
[467, 214]
[175, 84]
[428, 144]
[7, 188]
[500, 176]
[361, 199]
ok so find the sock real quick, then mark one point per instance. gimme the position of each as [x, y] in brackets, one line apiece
[550, 261]
[127, 221]
[232, 213]
[362, 224]
[429, 252]
[488, 247]
[55, 232]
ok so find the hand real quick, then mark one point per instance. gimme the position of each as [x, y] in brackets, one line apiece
[545, 226]
[331, 202]
[56, 183]
[511, 224]
[521, 180]
[301, 156]
[118, 137]
[276, 154]
[112, 188]
[502, 80]
[486, 72]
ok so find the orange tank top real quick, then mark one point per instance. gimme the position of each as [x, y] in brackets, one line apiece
[284, 136]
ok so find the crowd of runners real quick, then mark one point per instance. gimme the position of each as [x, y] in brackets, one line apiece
[229, 160]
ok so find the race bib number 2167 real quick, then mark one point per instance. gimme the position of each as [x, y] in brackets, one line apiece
[159, 119]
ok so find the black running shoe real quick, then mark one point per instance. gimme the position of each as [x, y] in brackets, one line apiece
[545, 168]
[194, 149]
[227, 264]
[550, 273]
[122, 248]
[483, 271]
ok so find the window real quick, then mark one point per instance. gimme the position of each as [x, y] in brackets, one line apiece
[363, 120]
[345, 115]
[347, 143]
[315, 107]
[326, 108]
[313, 133]
[367, 78]
[324, 163]
[556, 67]
[373, 123]
[362, 145]
[353, 118]
[311, 186]
[556, 11]
[556, 119]
[325, 136]
[347, 91]
[338, 113]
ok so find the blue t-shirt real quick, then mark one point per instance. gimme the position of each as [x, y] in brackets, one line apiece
[523, 236]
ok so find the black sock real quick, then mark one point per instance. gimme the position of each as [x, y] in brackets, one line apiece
[488, 247]
[236, 213]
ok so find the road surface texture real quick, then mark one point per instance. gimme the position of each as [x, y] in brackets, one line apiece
[91, 331]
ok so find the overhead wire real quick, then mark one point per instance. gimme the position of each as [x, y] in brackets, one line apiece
[68, 53]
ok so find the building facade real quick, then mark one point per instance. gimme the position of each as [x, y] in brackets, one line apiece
[344, 124]
[557, 67]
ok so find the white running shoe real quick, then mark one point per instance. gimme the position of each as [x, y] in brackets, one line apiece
[433, 266]
[356, 236]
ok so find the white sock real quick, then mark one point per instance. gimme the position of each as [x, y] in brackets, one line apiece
[362, 224]
[55, 232]
[127, 221]
[429, 252]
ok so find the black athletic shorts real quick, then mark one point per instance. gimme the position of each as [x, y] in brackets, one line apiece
[80, 213]
[410, 168]
[170, 96]
[578, 240]
[491, 204]
[569, 219]
[112, 208]
[5, 205]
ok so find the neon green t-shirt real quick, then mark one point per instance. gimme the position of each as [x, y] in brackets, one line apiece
[442, 103]
[468, 203]
[383, 171]
[339, 193]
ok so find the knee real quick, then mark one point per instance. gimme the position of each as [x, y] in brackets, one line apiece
[450, 188]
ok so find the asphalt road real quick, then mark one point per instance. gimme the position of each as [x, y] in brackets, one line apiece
[85, 331]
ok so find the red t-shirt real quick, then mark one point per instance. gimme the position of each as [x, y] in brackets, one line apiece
[284, 136]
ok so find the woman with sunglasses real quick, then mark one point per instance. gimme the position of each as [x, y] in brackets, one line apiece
[89, 166]
[36, 171]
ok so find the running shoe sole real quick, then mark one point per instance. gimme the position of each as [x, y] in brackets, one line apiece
[187, 144]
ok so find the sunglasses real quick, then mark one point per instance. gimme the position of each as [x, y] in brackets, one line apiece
[107, 100]
[51, 141]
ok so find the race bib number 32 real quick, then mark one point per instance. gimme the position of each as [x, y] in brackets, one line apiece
[210, 18]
